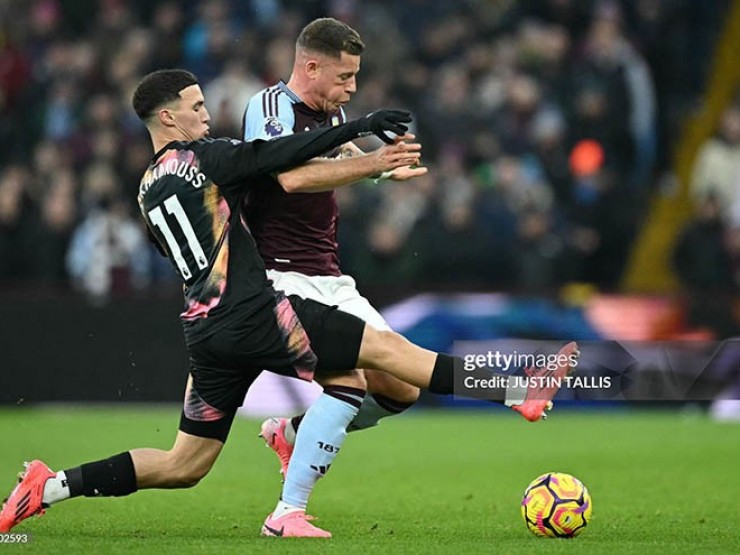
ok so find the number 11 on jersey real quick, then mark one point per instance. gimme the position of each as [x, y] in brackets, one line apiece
[173, 206]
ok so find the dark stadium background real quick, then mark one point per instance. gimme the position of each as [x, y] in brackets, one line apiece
[584, 162]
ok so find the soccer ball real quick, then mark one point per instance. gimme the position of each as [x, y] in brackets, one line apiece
[556, 505]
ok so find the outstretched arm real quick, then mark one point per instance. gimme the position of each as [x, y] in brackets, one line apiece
[234, 163]
[286, 152]
[322, 174]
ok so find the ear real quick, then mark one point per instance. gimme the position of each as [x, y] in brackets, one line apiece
[165, 117]
[312, 67]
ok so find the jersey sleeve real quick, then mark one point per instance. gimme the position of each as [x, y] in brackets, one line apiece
[269, 115]
[231, 162]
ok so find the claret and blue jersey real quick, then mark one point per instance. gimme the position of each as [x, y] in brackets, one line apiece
[298, 231]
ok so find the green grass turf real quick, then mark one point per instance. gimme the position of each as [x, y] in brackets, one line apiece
[427, 482]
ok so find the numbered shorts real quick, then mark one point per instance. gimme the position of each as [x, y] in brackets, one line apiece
[292, 337]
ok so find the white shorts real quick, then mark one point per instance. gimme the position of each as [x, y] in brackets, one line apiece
[332, 290]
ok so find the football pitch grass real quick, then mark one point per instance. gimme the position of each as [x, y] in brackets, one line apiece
[426, 482]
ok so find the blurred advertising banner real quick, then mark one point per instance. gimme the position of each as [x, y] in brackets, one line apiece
[59, 348]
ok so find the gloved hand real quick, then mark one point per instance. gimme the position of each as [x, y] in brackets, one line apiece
[386, 120]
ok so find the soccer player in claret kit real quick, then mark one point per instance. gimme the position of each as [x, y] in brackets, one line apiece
[296, 235]
[235, 323]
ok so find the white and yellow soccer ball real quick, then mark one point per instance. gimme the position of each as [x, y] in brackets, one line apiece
[556, 505]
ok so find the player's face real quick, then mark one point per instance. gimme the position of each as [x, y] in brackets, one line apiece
[336, 80]
[190, 115]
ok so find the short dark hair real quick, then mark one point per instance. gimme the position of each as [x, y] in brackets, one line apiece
[158, 88]
[331, 37]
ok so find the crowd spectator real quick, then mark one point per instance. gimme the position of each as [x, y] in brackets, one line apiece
[503, 93]
[705, 259]
[702, 255]
[718, 164]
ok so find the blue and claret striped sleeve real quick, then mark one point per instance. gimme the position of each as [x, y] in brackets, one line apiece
[269, 114]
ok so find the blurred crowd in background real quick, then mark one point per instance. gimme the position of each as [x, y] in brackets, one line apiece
[546, 125]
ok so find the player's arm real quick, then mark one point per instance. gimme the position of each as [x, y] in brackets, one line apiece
[397, 173]
[350, 150]
[286, 152]
[233, 162]
[270, 116]
[322, 174]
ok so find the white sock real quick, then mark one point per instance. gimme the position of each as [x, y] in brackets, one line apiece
[284, 508]
[56, 489]
[515, 395]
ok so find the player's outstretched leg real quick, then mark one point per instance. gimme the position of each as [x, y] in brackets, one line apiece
[435, 372]
[40, 487]
[183, 466]
[26, 499]
[546, 383]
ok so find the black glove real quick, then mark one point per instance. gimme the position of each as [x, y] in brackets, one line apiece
[386, 120]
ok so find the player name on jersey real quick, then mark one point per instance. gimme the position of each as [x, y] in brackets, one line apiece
[181, 168]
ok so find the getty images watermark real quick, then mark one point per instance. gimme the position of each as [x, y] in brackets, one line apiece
[499, 367]
[604, 371]
[507, 373]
